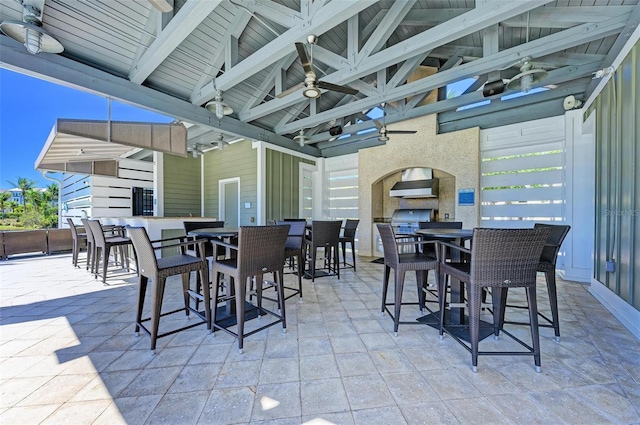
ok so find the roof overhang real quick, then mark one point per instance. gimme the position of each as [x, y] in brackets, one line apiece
[94, 147]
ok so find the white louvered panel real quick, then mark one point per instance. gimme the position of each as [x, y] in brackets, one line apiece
[522, 210]
[136, 165]
[531, 178]
[343, 203]
[145, 176]
[105, 191]
[351, 192]
[523, 134]
[523, 194]
[547, 146]
[511, 224]
[524, 163]
[103, 202]
[110, 212]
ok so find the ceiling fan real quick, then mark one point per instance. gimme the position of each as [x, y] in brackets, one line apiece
[220, 142]
[530, 75]
[195, 150]
[301, 139]
[382, 127]
[311, 86]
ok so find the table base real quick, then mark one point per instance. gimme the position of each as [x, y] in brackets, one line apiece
[225, 320]
[460, 331]
[319, 273]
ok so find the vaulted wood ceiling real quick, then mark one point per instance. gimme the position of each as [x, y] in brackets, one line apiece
[398, 52]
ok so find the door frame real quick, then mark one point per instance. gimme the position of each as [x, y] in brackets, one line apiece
[221, 197]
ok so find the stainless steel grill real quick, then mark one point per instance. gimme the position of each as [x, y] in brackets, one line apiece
[405, 221]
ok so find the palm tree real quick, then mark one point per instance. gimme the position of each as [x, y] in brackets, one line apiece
[4, 200]
[52, 193]
[35, 198]
[24, 184]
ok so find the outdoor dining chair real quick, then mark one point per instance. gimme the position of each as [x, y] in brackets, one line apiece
[260, 250]
[499, 259]
[79, 241]
[158, 270]
[401, 262]
[325, 235]
[293, 252]
[546, 265]
[102, 248]
[349, 237]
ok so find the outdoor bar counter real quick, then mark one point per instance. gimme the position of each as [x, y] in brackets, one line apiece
[157, 227]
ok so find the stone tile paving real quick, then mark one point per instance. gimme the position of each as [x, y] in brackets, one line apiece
[68, 354]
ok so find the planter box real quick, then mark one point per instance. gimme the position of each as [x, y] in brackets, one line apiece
[59, 240]
[21, 242]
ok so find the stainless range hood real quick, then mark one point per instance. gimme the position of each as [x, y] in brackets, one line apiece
[416, 183]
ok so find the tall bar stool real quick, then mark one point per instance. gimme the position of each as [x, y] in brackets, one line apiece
[79, 241]
[500, 259]
[349, 237]
[103, 245]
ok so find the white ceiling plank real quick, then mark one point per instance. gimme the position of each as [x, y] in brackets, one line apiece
[238, 24]
[270, 81]
[555, 42]
[152, 24]
[326, 18]
[183, 23]
[277, 13]
[460, 26]
[388, 25]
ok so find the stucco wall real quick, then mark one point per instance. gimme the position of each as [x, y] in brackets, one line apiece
[454, 153]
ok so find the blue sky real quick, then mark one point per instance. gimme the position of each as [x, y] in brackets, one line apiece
[29, 108]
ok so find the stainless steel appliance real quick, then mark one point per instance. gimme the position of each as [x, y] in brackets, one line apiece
[404, 222]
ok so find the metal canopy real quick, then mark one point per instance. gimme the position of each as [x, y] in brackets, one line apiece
[398, 52]
[94, 147]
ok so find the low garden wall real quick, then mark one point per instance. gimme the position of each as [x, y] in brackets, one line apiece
[45, 241]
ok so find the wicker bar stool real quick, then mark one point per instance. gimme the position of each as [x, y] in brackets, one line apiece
[294, 253]
[102, 248]
[547, 265]
[500, 258]
[158, 270]
[401, 263]
[260, 250]
[349, 237]
[326, 235]
[79, 241]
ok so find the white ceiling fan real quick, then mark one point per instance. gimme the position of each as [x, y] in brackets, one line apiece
[382, 127]
[311, 86]
[220, 142]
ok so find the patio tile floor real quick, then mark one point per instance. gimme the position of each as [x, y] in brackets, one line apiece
[68, 354]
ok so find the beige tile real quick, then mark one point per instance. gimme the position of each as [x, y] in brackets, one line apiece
[318, 367]
[128, 410]
[58, 389]
[435, 413]
[27, 415]
[179, 408]
[239, 374]
[323, 396]
[475, 411]
[151, 381]
[78, 412]
[279, 370]
[379, 416]
[276, 401]
[105, 386]
[228, 406]
[367, 391]
[449, 384]
[388, 361]
[409, 388]
[567, 407]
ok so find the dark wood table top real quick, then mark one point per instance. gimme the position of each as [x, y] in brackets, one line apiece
[215, 232]
[446, 233]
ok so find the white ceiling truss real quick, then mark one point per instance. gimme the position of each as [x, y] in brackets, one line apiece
[175, 62]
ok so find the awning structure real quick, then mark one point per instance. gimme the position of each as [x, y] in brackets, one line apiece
[94, 147]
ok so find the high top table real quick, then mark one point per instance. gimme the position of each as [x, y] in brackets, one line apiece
[456, 315]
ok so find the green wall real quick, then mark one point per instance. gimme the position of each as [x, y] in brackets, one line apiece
[181, 186]
[236, 160]
[617, 227]
[283, 181]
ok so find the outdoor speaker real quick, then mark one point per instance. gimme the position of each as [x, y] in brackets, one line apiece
[336, 130]
[493, 87]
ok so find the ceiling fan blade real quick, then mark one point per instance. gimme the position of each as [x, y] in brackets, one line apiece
[304, 59]
[290, 90]
[402, 131]
[335, 87]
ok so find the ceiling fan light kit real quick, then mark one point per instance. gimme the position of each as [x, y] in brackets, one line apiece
[218, 107]
[30, 33]
[301, 139]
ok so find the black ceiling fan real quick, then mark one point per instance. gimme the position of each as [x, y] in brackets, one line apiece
[382, 127]
[311, 86]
